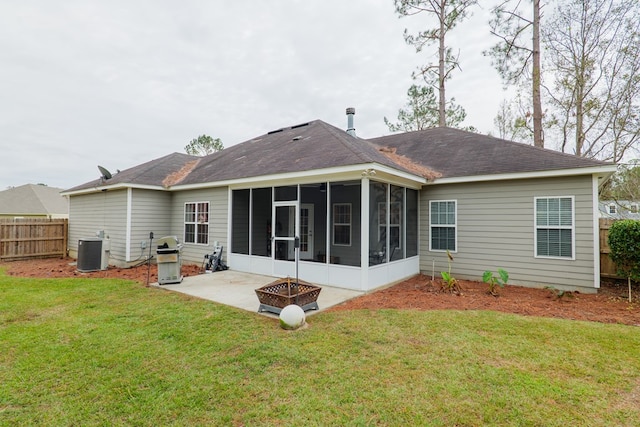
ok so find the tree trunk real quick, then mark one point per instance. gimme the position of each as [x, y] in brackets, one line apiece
[442, 121]
[580, 115]
[538, 139]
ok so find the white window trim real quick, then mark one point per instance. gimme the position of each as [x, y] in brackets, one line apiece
[333, 228]
[563, 227]
[612, 209]
[184, 223]
[454, 225]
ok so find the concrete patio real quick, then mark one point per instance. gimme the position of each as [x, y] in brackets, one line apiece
[237, 289]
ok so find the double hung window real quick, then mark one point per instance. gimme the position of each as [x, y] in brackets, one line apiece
[342, 224]
[443, 225]
[554, 227]
[196, 223]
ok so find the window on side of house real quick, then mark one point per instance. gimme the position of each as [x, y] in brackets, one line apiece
[342, 224]
[633, 208]
[612, 209]
[554, 219]
[443, 225]
[196, 223]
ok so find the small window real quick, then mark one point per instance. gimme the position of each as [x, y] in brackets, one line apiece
[554, 227]
[612, 209]
[633, 208]
[342, 224]
[443, 225]
[196, 223]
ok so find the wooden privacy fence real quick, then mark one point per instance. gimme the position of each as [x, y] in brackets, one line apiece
[33, 238]
[607, 267]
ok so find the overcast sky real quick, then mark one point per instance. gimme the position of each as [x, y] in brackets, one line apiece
[117, 83]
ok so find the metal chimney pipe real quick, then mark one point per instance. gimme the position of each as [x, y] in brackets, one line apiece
[350, 113]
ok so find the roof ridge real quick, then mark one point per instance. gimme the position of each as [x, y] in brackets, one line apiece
[37, 196]
[143, 168]
[347, 143]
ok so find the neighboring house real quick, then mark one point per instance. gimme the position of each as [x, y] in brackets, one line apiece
[619, 209]
[367, 212]
[33, 201]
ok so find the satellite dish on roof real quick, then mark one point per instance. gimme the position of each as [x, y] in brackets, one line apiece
[105, 173]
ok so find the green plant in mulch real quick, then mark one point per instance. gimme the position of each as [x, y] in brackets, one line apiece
[494, 282]
[559, 294]
[450, 283]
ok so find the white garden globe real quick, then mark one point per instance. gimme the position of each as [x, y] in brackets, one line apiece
[292, 317]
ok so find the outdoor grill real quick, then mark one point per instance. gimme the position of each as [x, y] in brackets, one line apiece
[169, 260]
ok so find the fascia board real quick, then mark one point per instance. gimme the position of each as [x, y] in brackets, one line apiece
[122, 186]
[595, 170]
[351, 172]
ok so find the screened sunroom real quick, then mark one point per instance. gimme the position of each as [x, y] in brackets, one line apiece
[356, 234]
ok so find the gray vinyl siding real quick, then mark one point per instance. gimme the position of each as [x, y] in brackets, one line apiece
[91, 213]
[496, 230]
[150, 212]
[218, 199]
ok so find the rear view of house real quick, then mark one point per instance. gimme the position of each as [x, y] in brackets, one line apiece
[365, 213]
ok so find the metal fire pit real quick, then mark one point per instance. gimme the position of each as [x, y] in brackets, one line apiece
[283, 292]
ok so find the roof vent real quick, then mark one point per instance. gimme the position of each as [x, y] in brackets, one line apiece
[300, 125]
[275, 131]
[350, 113]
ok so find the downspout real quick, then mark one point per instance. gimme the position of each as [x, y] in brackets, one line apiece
[596, 232]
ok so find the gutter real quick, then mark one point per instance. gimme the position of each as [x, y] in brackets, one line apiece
[603, 171]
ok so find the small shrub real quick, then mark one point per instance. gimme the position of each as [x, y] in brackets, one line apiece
[624, 242]
[450, 283]
[494, 281]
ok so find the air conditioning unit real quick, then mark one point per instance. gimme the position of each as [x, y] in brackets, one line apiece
[93, 254]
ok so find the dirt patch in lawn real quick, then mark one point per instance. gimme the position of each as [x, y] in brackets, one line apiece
[609, 305]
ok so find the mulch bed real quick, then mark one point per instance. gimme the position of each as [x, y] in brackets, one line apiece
[609, 305]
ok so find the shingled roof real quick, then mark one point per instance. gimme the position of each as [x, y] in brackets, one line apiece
[307, 146]
[457, 153]
[164, 171]
[433, 153]
[31, 199]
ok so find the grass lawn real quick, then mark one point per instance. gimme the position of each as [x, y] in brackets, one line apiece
[111, 352]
